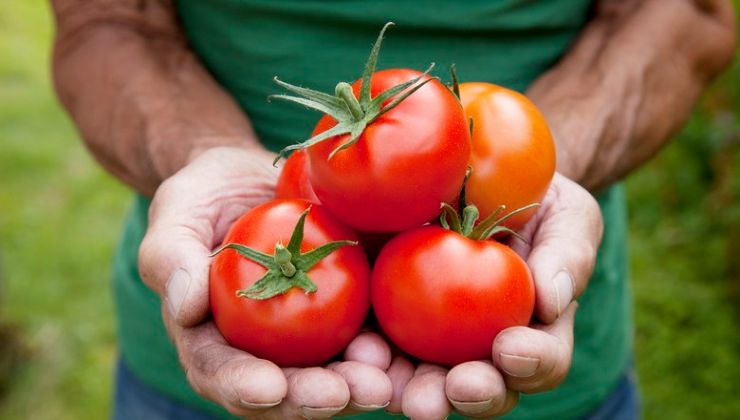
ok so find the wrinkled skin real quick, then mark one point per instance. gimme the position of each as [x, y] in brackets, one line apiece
[186, 225]
[189, 217]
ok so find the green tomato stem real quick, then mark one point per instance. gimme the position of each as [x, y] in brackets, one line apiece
[470, 215]
[283, 259]
[344, 92]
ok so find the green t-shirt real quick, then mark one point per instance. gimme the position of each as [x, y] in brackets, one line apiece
[316, 43]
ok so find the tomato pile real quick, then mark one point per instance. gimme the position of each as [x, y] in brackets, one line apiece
[388, 173]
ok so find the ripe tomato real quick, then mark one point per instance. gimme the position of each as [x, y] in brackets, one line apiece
[443, 297]
[293, 181]
[403, 166]
[513, 153]
[295, 327]
[389, 149]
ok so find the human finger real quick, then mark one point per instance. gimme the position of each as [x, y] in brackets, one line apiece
[369, 348]
[536, 360]
[316, 393]
[400, 373]
[563, 247]
[477, 389]
[236, 380]
[369, 387]
[173, 262]
[424, 397]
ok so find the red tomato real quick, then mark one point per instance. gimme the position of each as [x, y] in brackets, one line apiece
[513, 154]
[443, 297]
[295, 328]
[405, 163]
[293, 181]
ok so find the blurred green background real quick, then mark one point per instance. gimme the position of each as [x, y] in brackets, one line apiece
[60, 217]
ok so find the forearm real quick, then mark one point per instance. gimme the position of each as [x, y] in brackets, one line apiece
[630, 82]
[141, 100]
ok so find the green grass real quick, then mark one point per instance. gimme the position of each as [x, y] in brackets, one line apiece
[685, 248]
[60, 217]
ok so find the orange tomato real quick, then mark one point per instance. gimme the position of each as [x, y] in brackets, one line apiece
[513, 152]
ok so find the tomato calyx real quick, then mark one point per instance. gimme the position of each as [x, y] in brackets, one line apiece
[466, 225]
[288, 267]
[352, 114]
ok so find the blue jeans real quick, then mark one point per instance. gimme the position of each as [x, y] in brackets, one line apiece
[134, 401]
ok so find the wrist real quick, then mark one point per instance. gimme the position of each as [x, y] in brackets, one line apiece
[592, 119]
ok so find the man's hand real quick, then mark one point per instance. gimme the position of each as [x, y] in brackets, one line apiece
[629, 82]
[563, 237]
[188, 218]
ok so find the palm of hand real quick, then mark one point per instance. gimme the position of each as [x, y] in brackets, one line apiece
[190, 215]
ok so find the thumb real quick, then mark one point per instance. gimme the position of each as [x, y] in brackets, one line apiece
[190, 213]
[175, 265]
[564, 247]
[174, 258]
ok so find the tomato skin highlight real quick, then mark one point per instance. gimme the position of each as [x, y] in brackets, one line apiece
[295, 328]
[513, 153]
[404, 164]
[443, 298]
[293, 181]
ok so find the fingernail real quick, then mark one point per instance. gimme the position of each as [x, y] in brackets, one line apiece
[519, 366]
[472, 407]
[258, 406]
[368, 407]
[319, 413]
[564, 290]
[177, 288]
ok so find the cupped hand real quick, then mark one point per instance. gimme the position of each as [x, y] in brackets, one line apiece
[189, 216]
[563, 239]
